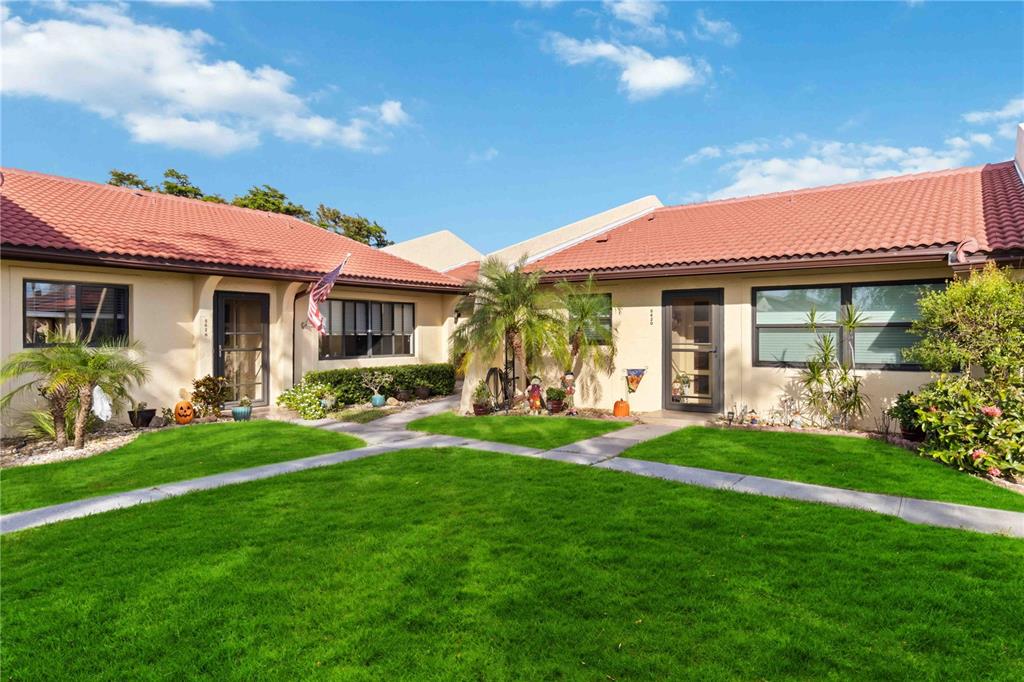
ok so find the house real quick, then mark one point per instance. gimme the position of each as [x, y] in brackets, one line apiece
[206, 288]
[711, 299]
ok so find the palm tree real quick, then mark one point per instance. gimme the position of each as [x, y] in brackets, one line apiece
[590, 339]
[53, 368]
[111, 366]
[65, 372]
[510, 307]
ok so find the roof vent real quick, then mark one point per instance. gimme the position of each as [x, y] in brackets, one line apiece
[601, 240]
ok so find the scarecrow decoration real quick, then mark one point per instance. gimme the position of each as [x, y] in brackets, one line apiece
[569, 386]
[533, 395]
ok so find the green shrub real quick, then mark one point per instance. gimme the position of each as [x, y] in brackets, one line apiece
[554, 393]
[975, 425]
[905, 412]
[305, 398]
[347, 384]
[209, 395]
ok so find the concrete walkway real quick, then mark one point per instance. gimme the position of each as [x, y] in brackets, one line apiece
[601, 452]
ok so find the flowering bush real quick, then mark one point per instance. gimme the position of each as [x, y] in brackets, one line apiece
[305, 398]
[976, 425]
[209, 395]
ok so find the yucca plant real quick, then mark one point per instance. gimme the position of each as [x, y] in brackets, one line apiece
[832, 389]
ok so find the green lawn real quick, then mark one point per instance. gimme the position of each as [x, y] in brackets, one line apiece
[839, 461]
[453, 565]
[534, 432]
[163, 457]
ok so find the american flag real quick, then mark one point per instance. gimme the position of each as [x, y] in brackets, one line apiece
[319, 293]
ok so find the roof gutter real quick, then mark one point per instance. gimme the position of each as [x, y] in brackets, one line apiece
[925, 255]
[36, 254]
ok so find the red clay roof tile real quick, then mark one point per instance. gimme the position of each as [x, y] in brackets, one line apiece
[51, 212]
[925, 210]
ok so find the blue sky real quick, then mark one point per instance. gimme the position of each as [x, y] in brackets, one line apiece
[503, 120]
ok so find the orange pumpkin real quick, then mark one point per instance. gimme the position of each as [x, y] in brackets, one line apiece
[620, 409]
[184, 412]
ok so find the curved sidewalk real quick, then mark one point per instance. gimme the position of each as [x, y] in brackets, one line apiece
[600, 452]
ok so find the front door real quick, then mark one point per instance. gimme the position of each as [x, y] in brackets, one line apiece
[241, 350]
[692, 321]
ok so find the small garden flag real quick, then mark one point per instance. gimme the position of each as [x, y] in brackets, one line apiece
[633, 377]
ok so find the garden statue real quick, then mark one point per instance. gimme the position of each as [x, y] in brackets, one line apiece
[569, 385]
[533, 395]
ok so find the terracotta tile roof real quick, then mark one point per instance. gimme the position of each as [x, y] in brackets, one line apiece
[63, 215]
[938, 209]
[466, 272]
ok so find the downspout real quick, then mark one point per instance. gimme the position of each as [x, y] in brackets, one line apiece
[959, 258]
[295, 352]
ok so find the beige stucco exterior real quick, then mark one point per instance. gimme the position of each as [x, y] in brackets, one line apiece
[441, 250]
[171, 316]
[637, 321]
[564, 236]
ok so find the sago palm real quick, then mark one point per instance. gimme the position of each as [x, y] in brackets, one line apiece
[590, 341]
[512, 310]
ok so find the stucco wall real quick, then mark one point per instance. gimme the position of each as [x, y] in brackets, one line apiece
[637, 320]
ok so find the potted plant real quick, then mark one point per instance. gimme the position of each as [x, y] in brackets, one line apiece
[904, 411]
[403, 395]
[376, 381]
[140, 417]
[555, 398]
[422, 392]
[680, 383]
[243, 411]
[481, 399]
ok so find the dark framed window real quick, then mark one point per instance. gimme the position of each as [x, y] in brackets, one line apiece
[605, 322]
[782, 339]
[360, 329]
[93, 312]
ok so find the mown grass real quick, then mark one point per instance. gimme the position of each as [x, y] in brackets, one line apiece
[532, 431]
[453, 565]
[840, 461]
[163, 457]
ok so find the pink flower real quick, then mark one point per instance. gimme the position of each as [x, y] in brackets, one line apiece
[991, 411]
[994, 472]
[978, 454]
[933, 409]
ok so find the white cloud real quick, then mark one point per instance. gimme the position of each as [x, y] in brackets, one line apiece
[392, 113]
[715, 30]
[205, 4]
[981, 139]
[642, 75]
[640, 13]
[160, 85]
[1013, 110]
[710, 152]
[489, 154]
[832, 162]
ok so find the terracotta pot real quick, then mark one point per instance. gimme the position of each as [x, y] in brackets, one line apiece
[621, 408]
[556, 406]
[481, 410]
[422, 392]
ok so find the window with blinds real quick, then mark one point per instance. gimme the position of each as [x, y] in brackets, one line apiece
[95, 313]
[782, 339]
[358, 329]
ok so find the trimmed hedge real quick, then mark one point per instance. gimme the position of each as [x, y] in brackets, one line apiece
[349, 388]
